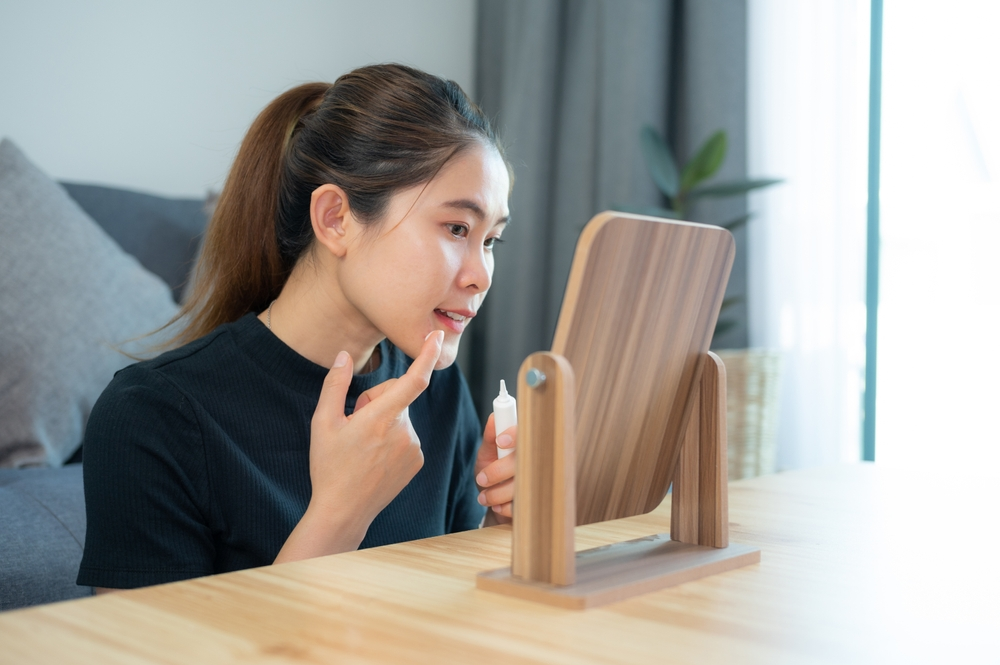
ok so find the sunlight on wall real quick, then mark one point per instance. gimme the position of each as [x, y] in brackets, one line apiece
[938, 370]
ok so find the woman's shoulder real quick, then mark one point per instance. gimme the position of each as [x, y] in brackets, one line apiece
[170, 371]
[140, 405]
[160, 394]
[208, 349]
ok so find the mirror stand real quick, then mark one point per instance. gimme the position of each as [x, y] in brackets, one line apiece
[544, 564]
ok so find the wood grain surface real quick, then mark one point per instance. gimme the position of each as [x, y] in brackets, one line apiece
[853, 571]
[544, 510]
[641, 303]
[615, 572]
[699, 506]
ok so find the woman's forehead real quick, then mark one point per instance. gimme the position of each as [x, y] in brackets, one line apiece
[474, 183]
[475, 180]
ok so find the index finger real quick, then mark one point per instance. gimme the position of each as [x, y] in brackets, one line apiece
[409, 386]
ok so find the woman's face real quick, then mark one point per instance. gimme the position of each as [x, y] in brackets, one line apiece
[428, 264]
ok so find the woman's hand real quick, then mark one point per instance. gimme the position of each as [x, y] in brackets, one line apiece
[359, 463]
[495, 477]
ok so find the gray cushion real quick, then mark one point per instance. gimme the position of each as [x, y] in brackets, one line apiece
[163, 233]
[42, 522]
[69, 296]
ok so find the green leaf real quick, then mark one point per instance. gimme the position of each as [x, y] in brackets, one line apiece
[729, 302]
[735, 188]
[661, 162]
[723, 327]
[651, 211]
[708, 160]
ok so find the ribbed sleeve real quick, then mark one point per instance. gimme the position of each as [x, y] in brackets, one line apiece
[146, 502]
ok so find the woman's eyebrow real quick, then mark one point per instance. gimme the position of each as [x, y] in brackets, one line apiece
[473, 207]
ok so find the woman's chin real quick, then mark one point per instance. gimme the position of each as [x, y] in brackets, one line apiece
[448, 354]
[449, 350]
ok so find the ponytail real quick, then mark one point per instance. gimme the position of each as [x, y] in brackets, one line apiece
[377, 130]
[240, 268]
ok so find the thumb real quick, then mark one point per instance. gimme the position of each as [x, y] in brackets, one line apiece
[332, 398]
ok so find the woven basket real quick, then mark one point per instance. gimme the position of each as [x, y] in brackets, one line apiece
[752, 377]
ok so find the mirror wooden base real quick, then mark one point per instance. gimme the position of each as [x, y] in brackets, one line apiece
[615, 572]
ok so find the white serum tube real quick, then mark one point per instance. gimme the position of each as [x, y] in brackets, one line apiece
[504, 415]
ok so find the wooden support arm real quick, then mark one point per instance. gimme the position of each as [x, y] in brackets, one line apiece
[545, 495]
[700, 500]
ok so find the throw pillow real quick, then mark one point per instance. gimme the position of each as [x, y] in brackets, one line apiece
[69, 298]
[162, 233]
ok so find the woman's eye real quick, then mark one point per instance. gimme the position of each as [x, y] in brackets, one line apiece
[458, 230]
[491, 243]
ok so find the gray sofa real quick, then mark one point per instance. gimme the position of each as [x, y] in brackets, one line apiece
[83, 269]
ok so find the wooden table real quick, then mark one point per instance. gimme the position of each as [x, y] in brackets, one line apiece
[860, 564]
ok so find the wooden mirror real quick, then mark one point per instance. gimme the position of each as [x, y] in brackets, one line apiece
[629, 400]
[637, 318]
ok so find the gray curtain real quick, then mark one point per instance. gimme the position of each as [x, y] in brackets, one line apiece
[570, 83]
[710, 84]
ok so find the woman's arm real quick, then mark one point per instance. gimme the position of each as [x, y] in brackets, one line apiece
[322, 531]
[358, 463]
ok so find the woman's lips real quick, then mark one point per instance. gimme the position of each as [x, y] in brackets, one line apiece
[453, 324]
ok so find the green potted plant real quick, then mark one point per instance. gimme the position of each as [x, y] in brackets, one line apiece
[681, 187]
[752, 374]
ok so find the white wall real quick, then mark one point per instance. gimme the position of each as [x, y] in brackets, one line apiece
[156, 96]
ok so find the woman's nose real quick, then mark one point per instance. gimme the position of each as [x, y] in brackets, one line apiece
[477, 272]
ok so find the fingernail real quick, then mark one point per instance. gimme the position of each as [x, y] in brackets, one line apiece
[505, 441]
[481, 479]
[439, 337]
[341, 359]
[482, 498]
[496, 509]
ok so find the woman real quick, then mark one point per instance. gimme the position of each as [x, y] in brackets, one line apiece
[356, 228]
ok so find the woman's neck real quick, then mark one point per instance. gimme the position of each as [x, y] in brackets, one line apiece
[312, 317]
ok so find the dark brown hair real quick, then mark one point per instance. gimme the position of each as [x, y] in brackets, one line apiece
[373, 132]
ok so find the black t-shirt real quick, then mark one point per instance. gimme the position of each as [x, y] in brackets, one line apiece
[197, 462]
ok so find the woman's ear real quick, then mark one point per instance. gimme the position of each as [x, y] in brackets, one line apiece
[331, 218]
